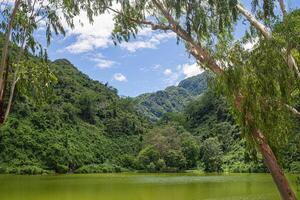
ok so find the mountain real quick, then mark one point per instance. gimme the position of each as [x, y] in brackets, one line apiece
[83, 122]
[172, 99]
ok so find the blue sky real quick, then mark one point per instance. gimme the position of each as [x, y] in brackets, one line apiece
[151, 62]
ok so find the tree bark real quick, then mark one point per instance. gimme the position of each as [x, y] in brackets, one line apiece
[6, 44]
[11, 95]
[259, 26]
[283, 8]
[270, 160]
[15, 78]
[2, 111]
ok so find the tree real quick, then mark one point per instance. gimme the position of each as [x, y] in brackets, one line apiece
[87, 109]
[190, 150]
[175, 159]
[19, 26]
[148, 157]
[211, 155]
[19, 21]
[206, 27]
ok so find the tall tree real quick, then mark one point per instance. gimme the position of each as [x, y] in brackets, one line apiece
[207, 27]
[20, 20]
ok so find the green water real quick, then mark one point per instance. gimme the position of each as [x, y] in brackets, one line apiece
[139, 187]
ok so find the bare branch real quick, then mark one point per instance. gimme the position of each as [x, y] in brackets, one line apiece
[262, 28]
[154, 26]
[293, 110]
[15, 78]
[6, 44]
[283, 8]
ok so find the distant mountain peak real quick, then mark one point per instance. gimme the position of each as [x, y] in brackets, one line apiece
[173, 98]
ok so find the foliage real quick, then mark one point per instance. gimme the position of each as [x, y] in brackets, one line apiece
[84, 127]
[212, 155]
[266, 83]
[295, 167]
[102, 168]
[148, 157]
[172, 99]
[69, 129]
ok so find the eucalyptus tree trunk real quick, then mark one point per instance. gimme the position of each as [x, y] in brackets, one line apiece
[2, 111]
[270, 160]
[3, 63]
[269, 157]
[15, 77]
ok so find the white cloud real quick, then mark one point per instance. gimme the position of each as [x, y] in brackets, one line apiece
[168, 72]
[89, 37]
[181, 71]
[151, 41]
[155, 67]
[120, 77]
[135, 45]
[101, 61]
[191, 69]
[145, 31]
[171, 77]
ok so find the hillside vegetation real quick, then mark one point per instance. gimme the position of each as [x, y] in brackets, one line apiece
[82, 122]
[85, 127]
[172, 99]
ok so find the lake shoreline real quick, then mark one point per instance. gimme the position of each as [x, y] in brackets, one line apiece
[42, 172]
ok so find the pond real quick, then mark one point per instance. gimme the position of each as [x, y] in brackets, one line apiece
[127, 186]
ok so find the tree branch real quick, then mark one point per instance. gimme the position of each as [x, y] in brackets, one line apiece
[262, 28]
[289, 59]
[283, 8]
[145, 22]
[195, 48]
[293, 110]
[6, 44]
[197, 51]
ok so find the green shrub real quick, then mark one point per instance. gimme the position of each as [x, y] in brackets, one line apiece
[146, 156]
[2, 170]
[151, 167]
[128, 161]
[175, 159]
[102, 168]
[26, 169]
[161, 165]
[295, 167]
[61, 169]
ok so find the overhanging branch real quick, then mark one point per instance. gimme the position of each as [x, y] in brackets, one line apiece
[293, 110]
[289, 59]
[154, 26]
[195, 48]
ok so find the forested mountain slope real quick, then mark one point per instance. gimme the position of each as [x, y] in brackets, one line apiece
[82, 122]
[172, 99]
